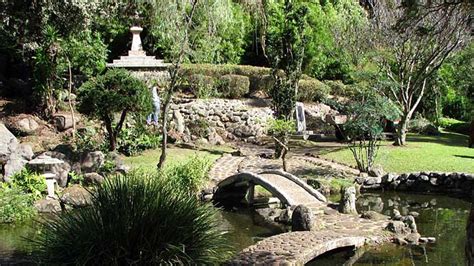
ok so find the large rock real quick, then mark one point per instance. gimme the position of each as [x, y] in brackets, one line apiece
[47, 206]
[7, 141]
[14, 155]
[179, 120]
[76, 196]
[347, 204]
[398, 227]
[92, 161]
[26, 126]
[301, 219]
[64, 121]
[93, 178]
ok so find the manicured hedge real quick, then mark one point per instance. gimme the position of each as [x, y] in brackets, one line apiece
[234, 86]
[235, 81]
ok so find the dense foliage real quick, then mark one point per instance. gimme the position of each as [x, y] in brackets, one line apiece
[140, 218]
[365, 125]
[115, 91]
[17, 196]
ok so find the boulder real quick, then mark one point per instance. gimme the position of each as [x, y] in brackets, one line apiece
[92, 161]
[179, 121]
[93, 178]
[216, 139]
[64, 121]
[373, 180]
[76, 196]
[14, 165]
[398, 227]
[301, 219]
[413, 238]
[47, 206]
[7, 141]
[347, 204]
[376, 171]
[26, 126]
[372, 215]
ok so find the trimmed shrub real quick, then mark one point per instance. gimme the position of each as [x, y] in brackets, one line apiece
[138, 218]
[202, 86]
[423, 126]
[234, 86]
[312, 90]
[337, 88]
[454, 125]
[254, 73]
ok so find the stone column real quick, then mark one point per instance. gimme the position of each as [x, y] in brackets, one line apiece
[348, 201]
[136, 49]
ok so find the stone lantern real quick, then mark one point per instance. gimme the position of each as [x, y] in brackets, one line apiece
[44, 164]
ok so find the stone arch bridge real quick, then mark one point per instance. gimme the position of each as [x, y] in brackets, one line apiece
[334, 230]
[289, 189]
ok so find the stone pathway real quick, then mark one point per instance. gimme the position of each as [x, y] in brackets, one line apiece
[333, 229]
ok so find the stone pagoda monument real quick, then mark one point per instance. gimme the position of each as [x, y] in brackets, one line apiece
[136, 57]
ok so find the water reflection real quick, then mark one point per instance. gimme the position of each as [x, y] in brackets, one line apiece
[439, 216]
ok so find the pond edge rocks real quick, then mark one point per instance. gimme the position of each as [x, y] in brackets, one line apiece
[459, 184]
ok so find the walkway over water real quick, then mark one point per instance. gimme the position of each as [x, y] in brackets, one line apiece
[289, 189]
[295, 247]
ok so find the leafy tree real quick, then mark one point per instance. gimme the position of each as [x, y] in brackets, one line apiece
[364, 128]
[182, 23]
[416, 39]
[286, 40]
[116, 91]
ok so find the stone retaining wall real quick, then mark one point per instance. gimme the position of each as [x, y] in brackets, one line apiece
[460, 184]
[223, 119]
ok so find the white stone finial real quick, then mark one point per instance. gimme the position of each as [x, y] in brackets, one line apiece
[136, 49]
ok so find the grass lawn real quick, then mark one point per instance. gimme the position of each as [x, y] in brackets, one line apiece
[445, 153]
[148, 159]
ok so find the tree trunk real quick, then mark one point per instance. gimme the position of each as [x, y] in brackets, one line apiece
[71, 108]
[402, 128]
[164, 127]
[110, 132]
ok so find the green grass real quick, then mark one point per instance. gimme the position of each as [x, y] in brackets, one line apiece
[148, 159]
[446, 153]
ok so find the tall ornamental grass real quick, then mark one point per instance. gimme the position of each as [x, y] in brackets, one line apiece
[139, 218]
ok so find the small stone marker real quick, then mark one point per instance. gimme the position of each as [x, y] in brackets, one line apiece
[300, 118]
[348, 201]
[301, 219]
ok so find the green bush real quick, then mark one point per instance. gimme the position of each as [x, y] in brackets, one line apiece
[312, 90]
[138, 218]
[134, 139]
[202, 86]
[337, 88]
[255, 74]
[234, 86]
[191, 175]
[29, 182]
[15, 205]
[454, 125]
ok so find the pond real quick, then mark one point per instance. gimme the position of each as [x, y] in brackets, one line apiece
[439, 216]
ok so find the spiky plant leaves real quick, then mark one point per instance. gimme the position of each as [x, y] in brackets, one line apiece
[139, 218]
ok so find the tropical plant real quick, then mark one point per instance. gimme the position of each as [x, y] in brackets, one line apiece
[191, 175]
[29, 182]
[137, 218]
[136, 138]
[15, 205]
[280, 129]
[364, 128]
[115, 91]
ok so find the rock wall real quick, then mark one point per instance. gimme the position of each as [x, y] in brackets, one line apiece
[460, 184]
[221, 119]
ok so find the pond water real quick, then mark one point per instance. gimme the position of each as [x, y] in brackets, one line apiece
[440, 216]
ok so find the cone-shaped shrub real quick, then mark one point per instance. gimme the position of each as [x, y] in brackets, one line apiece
[140, 219]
